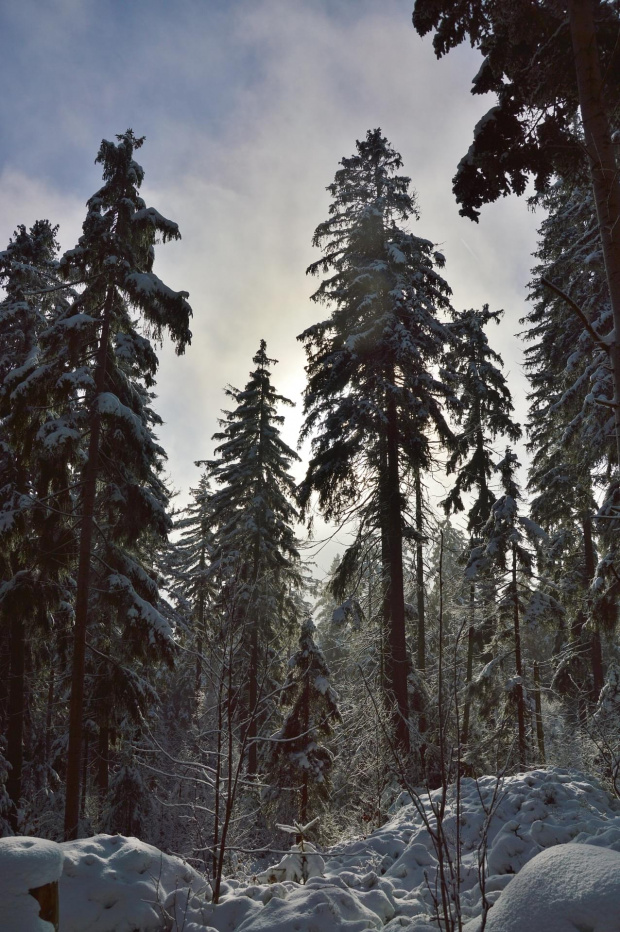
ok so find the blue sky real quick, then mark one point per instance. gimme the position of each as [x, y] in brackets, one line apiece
[247, 107]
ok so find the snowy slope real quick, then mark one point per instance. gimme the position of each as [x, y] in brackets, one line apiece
[388, 879]
[553, 858]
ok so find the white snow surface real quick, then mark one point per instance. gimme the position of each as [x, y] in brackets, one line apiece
[115, 884]
[107, 883]
[385, 881]
[568, 888]
[26, 863]
[553, 858]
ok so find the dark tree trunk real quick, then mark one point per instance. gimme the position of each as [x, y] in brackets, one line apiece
[253, 702]
[305, 722]
[471, 639]
[84, 787]
[78, 667]
[603, 169]
[103, 762]
[419, 549]
[16, 711]
[540, 734]
[522, 739]
[394, 545]
[49, 711]
[596, 652]
[201, 625]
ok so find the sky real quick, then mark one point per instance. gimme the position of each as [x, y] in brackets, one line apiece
[247, 107]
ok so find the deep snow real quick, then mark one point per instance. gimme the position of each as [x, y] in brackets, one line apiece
[563, 820]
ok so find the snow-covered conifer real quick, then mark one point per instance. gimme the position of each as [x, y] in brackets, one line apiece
[34, 555]
[505, 552]
[299, 757]
[374, 396]
[94, 375]
[255, 555]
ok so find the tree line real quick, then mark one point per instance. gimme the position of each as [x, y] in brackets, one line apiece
[175, 685]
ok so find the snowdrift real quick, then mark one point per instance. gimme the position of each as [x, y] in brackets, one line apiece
[108, 883]
[388, 880]
[553, 856]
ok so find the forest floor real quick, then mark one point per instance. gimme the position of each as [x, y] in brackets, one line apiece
[550, 839]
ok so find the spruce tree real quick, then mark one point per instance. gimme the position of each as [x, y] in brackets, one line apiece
[571, 423]
[94, 377]
[548, 64]
[188, 570]
[299, 754]
[506, 549]
[255, 553]
[373, 397]
[33, 536]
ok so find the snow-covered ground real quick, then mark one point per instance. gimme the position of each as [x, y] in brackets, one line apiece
[553, 865]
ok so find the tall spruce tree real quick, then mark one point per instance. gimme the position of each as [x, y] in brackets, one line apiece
[571, 427]
[374, 397]
[94, 373]
[253, 512]
[33, 528]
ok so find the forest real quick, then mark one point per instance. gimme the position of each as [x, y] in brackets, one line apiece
[181, 677]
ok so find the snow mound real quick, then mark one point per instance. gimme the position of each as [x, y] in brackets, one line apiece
[568, 888]
[388, 880]
[26, 863]
[115, 884]
[300, 864]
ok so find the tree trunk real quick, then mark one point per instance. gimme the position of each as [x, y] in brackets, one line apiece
[49, 711]
[522, 740]
[305, 723]
[419, 550]
[596, 653]
[394, 541]
[78, 667]
[471, 637]
[540, 735]
[386, 627]
[603, 168]
[84, 787]
[201, 625]
[16, 711]
[103, 762]
[253, 702]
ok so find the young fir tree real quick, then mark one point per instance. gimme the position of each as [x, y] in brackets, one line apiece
[505, 552]
[299, 756]
[255, 553]
[374, 397]
[94, 373]
[187, 568]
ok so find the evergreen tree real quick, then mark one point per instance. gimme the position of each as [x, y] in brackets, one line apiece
[255, 552]
[93, 377]
[547, 65]
[188, 570]
[506, 549]
[313, 709]
[571, 430]
[33, 534]
[373, 397]
[486, 414]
